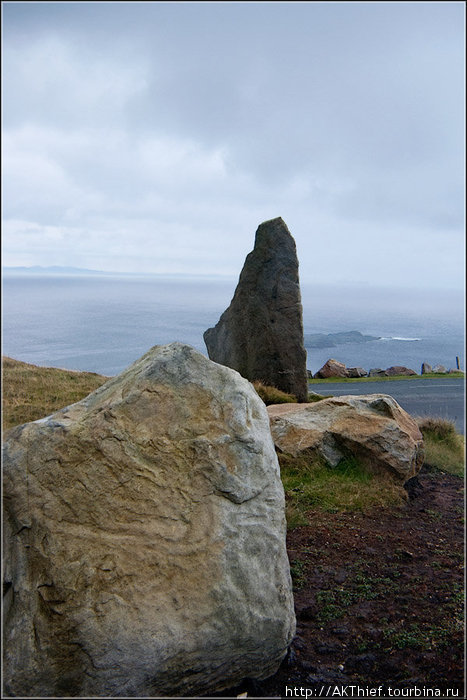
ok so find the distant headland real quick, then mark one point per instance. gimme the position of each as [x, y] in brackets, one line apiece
[331, 340]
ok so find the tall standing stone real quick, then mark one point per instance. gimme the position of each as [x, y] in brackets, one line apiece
[261, 333]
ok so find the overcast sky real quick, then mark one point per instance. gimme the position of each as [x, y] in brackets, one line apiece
[156, 137]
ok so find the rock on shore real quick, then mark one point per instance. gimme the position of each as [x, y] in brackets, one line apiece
[334, 368]
[145, 538]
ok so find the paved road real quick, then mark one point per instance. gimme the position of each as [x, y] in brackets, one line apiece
[443, 397]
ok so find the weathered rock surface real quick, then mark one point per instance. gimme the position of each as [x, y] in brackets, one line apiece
[261, 333]
[331, 368]
[145, 538]
[372, 428]
[426, 368]
[355, 372]
[398, 371]
[440, 369]
[377, 372]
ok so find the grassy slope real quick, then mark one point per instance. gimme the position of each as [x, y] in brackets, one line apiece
[31, 392]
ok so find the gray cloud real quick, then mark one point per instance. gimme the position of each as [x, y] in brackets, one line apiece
[175, 128]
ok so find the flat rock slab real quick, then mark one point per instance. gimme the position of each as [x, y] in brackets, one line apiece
[145, 538]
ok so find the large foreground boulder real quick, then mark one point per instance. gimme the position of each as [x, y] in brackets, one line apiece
[374, 429]
[145, 538]
[261, 333]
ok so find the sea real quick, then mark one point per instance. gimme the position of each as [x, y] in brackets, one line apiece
[104, 323]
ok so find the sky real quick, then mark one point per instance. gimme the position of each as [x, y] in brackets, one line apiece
[155, 137]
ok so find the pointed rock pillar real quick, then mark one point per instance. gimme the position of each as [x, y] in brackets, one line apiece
[261, 333]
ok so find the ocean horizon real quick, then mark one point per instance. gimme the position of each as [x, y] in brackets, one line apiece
[103, 323]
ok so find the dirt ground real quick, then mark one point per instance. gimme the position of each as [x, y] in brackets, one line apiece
[378, 598]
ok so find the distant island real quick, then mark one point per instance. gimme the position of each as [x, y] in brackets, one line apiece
[66, 271]
[331, 340]
[53, 270]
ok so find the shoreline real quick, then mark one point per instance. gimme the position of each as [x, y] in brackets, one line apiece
[329, 380]
[432, 375]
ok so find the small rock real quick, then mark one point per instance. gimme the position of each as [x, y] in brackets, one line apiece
[340, 632]
[324, 648]
[291, 658]
[426, 368]
[299, 643]
[413, 487]
[398, 371]
[377, 372]
[308, 613]
[356, 372]
[308, 667]
[340, 575]
[361, 664]
[439, 369]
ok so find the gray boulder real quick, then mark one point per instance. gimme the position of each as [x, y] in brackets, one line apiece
[145, 538]
[426, 368]
[399, 370]
[440, 369]
[377, 372]
[261, 333]
[356, 372]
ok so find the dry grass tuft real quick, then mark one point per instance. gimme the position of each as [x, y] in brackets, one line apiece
[31, 392]
[444, 446]
[271, 395]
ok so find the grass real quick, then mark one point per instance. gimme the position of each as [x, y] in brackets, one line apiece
[298, 573]
[444, 446]
[31, 392]
[270, 395]
[309, 483]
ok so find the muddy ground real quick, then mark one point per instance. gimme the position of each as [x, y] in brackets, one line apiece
[378, 599]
